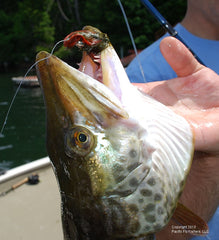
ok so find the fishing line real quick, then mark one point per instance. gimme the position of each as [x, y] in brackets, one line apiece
[132, 39]
[19, 86]
[207, 237]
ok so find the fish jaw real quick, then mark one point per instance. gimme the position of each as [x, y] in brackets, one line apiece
[71, 86]
[114, 75]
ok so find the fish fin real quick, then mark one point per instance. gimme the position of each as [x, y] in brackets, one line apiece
[194, 224]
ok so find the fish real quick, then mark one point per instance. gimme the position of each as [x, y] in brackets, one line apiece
[120, 157]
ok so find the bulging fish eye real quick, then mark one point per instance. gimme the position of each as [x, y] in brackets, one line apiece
[78, 140]
[82, 138]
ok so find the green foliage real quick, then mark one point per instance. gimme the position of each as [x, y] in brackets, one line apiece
[5, 36]
[29, 26]
[24, 29]
[106, 15]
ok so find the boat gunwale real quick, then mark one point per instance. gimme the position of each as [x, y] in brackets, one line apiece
[25, 169]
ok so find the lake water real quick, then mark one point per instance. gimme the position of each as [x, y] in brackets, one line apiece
[23, 138]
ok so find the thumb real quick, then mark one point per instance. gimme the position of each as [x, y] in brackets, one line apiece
[179, 57]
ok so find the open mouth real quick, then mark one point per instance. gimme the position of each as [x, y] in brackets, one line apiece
[99, 60]
[98, 90]
[91, 41]
[91, 66]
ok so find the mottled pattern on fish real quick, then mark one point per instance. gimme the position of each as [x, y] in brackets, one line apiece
[121, 158]
[143, 166]
[149, 172]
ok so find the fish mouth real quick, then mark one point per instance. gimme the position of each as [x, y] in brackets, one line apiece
[94, 89]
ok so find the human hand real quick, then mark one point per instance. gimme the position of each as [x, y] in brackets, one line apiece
[194, 94]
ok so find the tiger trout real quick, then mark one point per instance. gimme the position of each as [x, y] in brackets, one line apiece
[121, 158]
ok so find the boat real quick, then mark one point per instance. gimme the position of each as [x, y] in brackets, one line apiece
[29, 81]
[30, 211]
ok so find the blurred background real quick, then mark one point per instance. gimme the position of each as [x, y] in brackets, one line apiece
[28, 26]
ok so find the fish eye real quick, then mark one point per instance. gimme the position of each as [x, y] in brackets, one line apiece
[82, 138]
[78, 140]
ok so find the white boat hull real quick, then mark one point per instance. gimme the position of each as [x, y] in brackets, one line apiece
[31, 211]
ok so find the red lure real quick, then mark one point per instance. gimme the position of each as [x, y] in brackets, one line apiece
[89, 39]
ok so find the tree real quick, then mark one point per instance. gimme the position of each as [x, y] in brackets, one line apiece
[24, 28]
[29, 26]
[107, 16]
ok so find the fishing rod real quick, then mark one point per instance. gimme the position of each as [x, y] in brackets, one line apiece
[32, 180]
[167, 25]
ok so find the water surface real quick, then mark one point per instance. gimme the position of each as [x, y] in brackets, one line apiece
[23, 138]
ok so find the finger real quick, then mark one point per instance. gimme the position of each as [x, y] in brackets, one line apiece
[179, 57]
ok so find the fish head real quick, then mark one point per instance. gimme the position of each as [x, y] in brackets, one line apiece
[116, 164]
[83, 118]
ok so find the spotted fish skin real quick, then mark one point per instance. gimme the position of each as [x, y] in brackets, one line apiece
[120, 157]
[149, 169]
